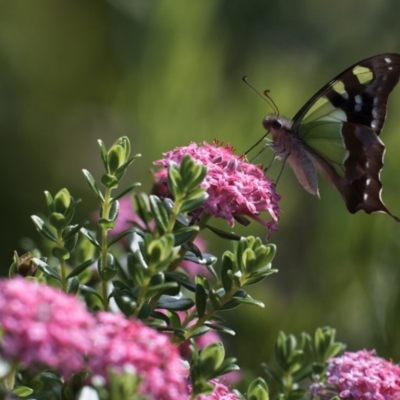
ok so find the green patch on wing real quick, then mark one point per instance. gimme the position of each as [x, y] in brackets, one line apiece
[324, 137]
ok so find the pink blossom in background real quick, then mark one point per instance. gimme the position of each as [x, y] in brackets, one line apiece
[121, 343]
[235, 188]
[192, 268]
[126, 216]
[42, 326]
[360, 376]
[220, 392]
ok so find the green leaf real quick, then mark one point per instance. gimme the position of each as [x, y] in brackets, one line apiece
[103, 153]
[60, 252]
[107, 271]
[71, 243]
[193, 200]
[182, 279]
[46, 269]
[201, 300]
[90, 290]
[199, 332]
[71, 230]
[73, 285]
[126, 191]
[119, 173]
[116, 156]
[62, 201]
[176, 304]
[192, 174]
[249, 300]
[22, 391]
[76, 271]
[205, 259]
[93, 185]
[296, 394]
[43, 229]
[220, 328]
[114, 210]
[223, 234]
[49, 201]
[174, 180]
[121, 236]
[159, 212]
[184, 234]
[90, 237]
[228, 267]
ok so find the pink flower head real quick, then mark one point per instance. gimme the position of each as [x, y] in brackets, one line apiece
[360, 376]
[121, 343]
[42, 326]
[236, 188]
[220, 392]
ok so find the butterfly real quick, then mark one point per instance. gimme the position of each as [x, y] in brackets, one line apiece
[337, 133]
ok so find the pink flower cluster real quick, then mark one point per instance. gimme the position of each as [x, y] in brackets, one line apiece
[41, 326]
[235, 188]
[360, 376]
[220, 392]
[122, 343]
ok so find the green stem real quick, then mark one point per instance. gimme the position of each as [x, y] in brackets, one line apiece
[200, 322]
[142, 294]
[104, 247]
[63, 265]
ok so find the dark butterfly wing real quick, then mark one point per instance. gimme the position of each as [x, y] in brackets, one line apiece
[339, 127]
[361, 92]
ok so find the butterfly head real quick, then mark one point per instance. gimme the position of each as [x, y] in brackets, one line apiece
[277, 125]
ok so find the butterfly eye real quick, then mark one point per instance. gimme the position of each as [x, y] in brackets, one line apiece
[276, 125]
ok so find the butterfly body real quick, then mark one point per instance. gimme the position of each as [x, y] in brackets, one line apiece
[337, 133]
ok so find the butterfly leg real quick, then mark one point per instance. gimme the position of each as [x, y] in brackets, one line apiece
[268, 144]
[283, 166]
[256, 144]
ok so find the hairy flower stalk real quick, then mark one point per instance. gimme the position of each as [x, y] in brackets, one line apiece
[236, 188]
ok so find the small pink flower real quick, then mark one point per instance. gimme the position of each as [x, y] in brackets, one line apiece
[220, 392]
[236, 188]
[360, 376]
[121, 343]
[42, 326]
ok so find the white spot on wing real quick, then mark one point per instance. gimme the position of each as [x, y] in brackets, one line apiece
[388, 60]
[358, 107]
[358, 99]
[368, 181]
[390, 68]
[367, 164]
[365, 197]
[373, 124]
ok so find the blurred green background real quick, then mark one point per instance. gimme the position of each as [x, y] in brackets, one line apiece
[166, 73]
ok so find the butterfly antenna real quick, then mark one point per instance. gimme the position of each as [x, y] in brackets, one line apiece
[271, 102]
[265, 96]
